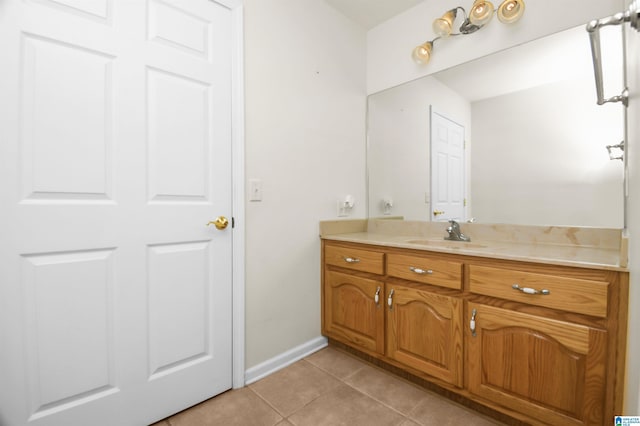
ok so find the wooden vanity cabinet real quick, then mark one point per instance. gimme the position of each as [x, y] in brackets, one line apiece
[352, 312]
[423, 326]
[353, 297]
[424, 332]
[552, 371]
[549, 365]
[483, 328]
[424, 320]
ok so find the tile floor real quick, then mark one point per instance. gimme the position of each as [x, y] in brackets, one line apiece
[329, 387]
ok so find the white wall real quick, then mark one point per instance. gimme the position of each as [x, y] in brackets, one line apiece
[389, 45]
[305, 139]
[398, 145]
[557, 166]
[632, 401]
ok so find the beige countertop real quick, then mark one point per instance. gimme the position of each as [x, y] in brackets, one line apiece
[596, 248]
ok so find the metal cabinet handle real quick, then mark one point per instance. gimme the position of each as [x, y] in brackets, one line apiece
[390, 299]
[472, 323]
[529, 290]
[420, 271]
[376, 298]
[351, 259]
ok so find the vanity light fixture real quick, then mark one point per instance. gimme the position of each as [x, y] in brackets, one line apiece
[481, 13]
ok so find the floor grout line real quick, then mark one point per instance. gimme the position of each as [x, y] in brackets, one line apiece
[427, 393]
[341, 380]
[365, 364]
[286, 417]
[268, 403]
[334, 375]
[371, 392]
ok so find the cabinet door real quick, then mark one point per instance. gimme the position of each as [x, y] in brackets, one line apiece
[553, 371]
[424, 331]
[352, 312]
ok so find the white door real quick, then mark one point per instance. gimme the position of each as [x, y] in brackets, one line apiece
[115, 130]
[447, 169]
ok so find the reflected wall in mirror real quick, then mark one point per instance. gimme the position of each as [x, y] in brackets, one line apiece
[535, 138]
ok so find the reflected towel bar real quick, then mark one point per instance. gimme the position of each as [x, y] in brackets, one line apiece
[593, 28]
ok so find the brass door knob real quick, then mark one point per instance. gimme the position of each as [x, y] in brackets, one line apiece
[438, 212]
[221, 222]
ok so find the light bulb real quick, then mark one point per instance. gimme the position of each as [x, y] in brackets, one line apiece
[511, 11]
[443, 26]
[481, 12]
[422, 53]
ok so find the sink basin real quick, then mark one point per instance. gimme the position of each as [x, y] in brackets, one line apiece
[447, 244]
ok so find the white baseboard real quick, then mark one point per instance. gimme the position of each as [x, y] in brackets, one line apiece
[278, 362]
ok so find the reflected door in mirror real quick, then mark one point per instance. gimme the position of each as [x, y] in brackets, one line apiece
[447, 169]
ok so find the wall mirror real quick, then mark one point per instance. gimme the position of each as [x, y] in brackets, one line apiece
[535, 139]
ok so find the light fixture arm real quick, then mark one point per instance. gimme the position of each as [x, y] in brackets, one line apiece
[509, 12]
[466, 27]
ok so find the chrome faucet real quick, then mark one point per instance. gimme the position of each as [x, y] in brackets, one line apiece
[454, 232]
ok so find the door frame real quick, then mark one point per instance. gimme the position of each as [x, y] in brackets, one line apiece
[238, 192]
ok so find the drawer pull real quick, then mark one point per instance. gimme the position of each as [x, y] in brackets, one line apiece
[472, 323]
[390, 299]
[376, 298]
[529, 290]
[420, 271]
[351, 259]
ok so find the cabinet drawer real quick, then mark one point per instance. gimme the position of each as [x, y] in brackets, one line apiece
[357, 259]
[564, 293]
[425, 270]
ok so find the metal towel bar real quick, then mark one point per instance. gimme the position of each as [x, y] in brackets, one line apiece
[632, 15]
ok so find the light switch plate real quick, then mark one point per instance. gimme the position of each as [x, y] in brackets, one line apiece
[255, 190]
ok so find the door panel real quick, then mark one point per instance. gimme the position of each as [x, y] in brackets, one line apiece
[96, 9]
[178, 137]
[115, 298]
[70, 345]
[55, 155]
[177, 28]
[178, 276]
